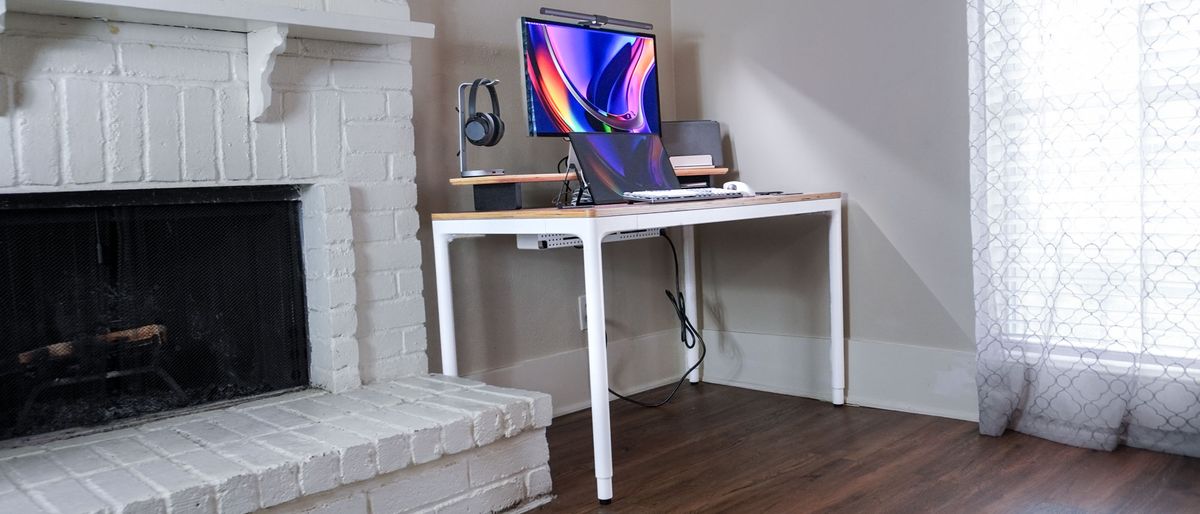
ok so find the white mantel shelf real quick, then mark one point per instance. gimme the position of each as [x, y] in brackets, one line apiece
[266, 27]
[234, 15]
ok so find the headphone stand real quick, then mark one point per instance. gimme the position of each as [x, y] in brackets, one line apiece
[462, 139]
[488, 197]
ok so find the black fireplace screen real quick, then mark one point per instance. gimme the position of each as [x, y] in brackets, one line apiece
[121, 304]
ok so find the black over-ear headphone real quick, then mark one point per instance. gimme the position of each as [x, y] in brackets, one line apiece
[483, 128]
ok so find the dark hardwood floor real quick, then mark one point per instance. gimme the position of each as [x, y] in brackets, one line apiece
[724, 449]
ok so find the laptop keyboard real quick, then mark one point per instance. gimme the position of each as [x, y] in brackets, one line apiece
[681, 195]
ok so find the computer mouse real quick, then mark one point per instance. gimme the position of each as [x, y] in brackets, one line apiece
[740, 187]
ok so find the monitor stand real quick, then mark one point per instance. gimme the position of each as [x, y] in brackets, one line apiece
[572, 160]
[582, 195]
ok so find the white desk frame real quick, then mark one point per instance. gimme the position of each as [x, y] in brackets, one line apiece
[591, 230]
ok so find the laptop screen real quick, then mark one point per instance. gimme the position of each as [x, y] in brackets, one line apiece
[620, 162]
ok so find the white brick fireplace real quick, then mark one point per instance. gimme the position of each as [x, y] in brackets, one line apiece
[93, 106]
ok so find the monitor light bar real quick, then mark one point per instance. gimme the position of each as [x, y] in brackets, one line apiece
[596, 20]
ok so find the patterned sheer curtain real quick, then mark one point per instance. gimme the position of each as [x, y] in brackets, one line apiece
[1085, 163]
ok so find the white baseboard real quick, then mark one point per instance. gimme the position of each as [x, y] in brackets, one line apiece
[916, 379]
[906, 378]
[634, 365]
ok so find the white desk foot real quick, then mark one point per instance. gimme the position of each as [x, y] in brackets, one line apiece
[604, 490]
[837, 319]
[690, 298]
[593, 282]
[445, 299]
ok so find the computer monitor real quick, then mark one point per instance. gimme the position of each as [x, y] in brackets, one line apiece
[583, 79]
[616, 163]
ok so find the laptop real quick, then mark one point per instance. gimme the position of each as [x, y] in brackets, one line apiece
[623, 167]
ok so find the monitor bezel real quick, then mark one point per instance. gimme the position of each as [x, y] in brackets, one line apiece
[525, 90]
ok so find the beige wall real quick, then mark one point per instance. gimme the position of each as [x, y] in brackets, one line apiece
[518, 305]
[863, 97]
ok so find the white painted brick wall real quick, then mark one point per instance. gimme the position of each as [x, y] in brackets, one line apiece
[93, 106]
[389, 447]
[89, 105]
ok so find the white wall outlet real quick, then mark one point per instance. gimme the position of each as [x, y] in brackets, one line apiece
[582, 312]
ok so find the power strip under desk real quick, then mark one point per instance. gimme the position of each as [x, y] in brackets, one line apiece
[549, 241]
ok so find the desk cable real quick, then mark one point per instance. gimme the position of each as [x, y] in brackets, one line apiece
[685, 329]
[564, 193]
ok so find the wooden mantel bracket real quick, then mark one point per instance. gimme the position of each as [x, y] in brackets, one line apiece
[262, 46]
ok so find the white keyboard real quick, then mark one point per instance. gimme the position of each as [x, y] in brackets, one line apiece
[681, 195]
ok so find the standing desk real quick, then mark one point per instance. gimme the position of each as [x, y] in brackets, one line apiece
[590, 225]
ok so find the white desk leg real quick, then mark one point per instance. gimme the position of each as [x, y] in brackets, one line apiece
[593, 279]
[445, 299]
[837, 337]
[692, 355]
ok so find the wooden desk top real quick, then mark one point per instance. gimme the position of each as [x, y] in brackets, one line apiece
[525, 178]
[626, 209]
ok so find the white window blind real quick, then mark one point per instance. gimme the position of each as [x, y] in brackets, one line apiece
[1093, 159]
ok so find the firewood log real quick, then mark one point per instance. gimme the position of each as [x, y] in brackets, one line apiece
[68, 348]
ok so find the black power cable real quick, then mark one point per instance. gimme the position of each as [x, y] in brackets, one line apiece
[685, 329]
[564, 193]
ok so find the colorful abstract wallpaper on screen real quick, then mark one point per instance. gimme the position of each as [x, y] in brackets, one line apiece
[586, 80]
[616, 163]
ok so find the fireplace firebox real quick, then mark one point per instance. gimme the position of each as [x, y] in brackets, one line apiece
[118, 305]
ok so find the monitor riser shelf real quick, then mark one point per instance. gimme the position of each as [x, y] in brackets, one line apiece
[503, 192]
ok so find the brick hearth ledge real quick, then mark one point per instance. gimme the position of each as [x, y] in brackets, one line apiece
[425, 444]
